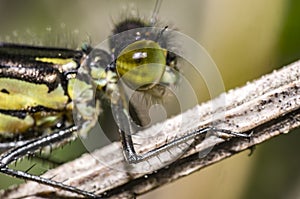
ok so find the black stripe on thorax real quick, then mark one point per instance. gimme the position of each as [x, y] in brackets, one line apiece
[23, 113]
[19, 62]
[43, 74]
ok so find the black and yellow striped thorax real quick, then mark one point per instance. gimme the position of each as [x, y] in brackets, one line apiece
[35, 85]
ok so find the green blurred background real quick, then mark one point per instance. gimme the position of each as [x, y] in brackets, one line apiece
[246, 39]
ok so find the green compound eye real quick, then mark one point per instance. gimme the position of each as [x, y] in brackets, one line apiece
[142, 64]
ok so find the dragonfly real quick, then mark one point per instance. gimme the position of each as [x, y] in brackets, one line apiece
[49, 95]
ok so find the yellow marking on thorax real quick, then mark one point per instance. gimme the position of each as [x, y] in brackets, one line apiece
[11, 125]
[60, 61]
[20, 95]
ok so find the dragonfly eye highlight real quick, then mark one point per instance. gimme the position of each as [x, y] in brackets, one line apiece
[141, 64]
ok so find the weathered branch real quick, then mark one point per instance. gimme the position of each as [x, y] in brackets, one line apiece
[267, 107]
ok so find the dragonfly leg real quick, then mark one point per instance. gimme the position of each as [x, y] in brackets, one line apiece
[29, 147]
[127, 130]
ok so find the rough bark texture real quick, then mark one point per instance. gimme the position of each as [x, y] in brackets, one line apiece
[267, 107]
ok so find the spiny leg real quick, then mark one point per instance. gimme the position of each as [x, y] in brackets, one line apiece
[8, 145]
[127, 129]
[46, 181]
[133, 157]
[33, 145]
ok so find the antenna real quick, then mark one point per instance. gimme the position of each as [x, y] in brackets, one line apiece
[157, 6]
